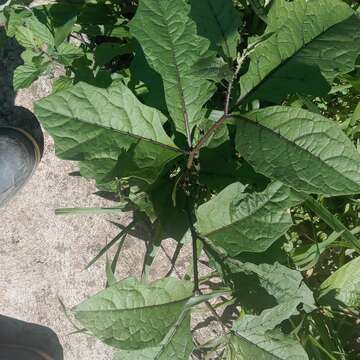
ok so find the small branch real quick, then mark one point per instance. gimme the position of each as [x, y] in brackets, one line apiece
[221, 121]
[195, 264]
[173, 260]
[240, 62]
[204, 139]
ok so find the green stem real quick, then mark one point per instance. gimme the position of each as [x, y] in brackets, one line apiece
[194, 238]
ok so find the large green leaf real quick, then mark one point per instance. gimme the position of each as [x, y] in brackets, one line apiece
[218, 21]
[313, 42]
[300, 148]
[106, 129]
[171, 45]
[177, 345]
[133, 315]
[342, 288]
[141, 71]
[284, 284]
[239, 221]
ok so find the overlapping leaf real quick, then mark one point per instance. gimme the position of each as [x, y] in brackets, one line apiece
[257, 335]
[219, 22]
[313, 42]
[106, 128]
[171, 45]
[302, 149]
[284, 284]
[239, 221]
[134, 315]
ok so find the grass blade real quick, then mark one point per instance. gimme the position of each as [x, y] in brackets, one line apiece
[332, 221]
[89, 211]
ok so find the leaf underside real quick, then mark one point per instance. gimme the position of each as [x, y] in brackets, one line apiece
[301, 149]
[177, 345]
[130, 314]
[105, 129]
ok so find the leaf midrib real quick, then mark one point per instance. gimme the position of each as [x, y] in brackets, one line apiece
[134, 308]
[178, 79]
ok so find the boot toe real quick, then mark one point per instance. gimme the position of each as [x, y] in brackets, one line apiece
[18, 159]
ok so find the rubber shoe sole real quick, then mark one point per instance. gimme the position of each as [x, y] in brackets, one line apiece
[9, 352]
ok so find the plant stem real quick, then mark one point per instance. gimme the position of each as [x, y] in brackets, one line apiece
[195, 260]
[204, 139]
[194, 237]
[241, 60]
[223, 118]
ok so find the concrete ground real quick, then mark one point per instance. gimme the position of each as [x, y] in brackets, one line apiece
[42, 256]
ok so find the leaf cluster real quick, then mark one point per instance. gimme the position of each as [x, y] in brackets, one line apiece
[227, 124]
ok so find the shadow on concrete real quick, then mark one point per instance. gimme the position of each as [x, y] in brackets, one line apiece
[20, 334]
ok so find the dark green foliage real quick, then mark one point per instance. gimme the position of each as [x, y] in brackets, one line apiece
[227, 124]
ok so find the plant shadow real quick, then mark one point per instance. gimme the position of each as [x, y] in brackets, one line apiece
[19, 333]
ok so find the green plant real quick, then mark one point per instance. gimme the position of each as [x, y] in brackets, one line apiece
[207, 118]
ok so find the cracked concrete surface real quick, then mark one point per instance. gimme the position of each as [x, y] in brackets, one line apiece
[43, 256]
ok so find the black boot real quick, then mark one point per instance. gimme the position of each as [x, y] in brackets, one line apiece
[8, 352]
[21, 147]
[19, 156]
[21, 340]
